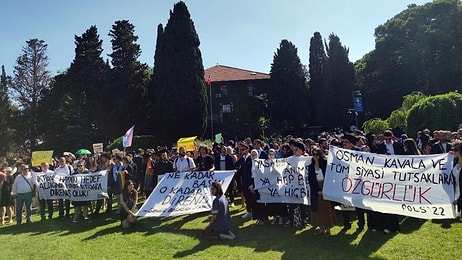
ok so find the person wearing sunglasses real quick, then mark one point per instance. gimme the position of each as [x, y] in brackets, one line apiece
[322, 211]
[23, 191]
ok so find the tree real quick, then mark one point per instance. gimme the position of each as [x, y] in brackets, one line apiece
[5, 114]
[429, 112]
[127, 82]
[287, 98]
[31, 80]
[178, 84]
[416, 50]
[339, 80]
[317, 92]
[86, 81]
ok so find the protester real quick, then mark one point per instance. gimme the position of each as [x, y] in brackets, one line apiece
[6, 201]
[105, 164]
[204, 162]
[220, 222]
[457, 151]
[225, 162]
[24, 187]
[183, 163]
[45, 204]
[322, 211]
[161, 167]
[114, 183]
[65, 170]
[128, 201]
[259, 211]
[349, 142]
[244, 170]
[80, 207]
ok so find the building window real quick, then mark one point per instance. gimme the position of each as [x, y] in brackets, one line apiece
[218, 95]
[224, 90]
[250, 90]
[226, 108]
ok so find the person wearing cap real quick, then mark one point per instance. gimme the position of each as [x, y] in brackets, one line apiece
[349, 142]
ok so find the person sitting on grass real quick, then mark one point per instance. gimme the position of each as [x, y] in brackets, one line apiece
[220, 223]
[128, 201]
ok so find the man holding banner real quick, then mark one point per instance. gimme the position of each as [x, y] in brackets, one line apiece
[49, 203]
[220, 223]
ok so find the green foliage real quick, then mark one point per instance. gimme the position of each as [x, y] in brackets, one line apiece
[339, 81]
[179, 237]
[127, 81]
[436, 112]
[288, 93]
[318, 92]
[418, 49]
[30, 82]
[375, 126]
[397, 118]
[6, 111]
[178, 87]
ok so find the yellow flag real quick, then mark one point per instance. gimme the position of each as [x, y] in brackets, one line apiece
[187, 143]
[38, 157]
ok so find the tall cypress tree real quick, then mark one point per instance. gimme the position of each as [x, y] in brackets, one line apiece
[287, 98]
[318, 94]
[127, 81]
[5, 114]
[87, 75]
[339, 84]
[178, 87]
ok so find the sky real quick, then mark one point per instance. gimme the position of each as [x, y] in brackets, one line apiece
[238, 33]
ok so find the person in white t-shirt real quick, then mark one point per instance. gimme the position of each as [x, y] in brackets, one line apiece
[64, 169]
[183, 163]
[23, 190]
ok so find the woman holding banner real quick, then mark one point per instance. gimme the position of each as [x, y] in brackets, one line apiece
[128, 201]
[322, 211]
[457, 150]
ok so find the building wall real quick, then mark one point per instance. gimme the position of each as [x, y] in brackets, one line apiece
[237, 107]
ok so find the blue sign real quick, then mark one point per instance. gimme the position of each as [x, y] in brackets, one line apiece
[358, 104]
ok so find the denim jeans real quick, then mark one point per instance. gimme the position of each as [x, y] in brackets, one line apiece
[21, 199]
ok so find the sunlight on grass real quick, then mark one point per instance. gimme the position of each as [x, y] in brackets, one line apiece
[179, 237]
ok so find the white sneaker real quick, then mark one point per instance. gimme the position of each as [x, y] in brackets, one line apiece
[231, 234]
[386, 231]
[225, 237]
[247, 215]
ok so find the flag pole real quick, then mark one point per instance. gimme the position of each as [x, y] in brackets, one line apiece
[209, 84]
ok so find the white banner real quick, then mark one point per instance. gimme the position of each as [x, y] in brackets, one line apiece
[420, 186]
[282, 180]
[183, 193]
[79, 187]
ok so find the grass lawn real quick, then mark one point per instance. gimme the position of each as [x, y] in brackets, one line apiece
[179, 237]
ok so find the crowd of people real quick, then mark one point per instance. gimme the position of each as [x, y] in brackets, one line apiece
[141, 170]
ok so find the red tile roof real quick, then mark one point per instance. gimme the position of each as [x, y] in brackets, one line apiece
[225, 73]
